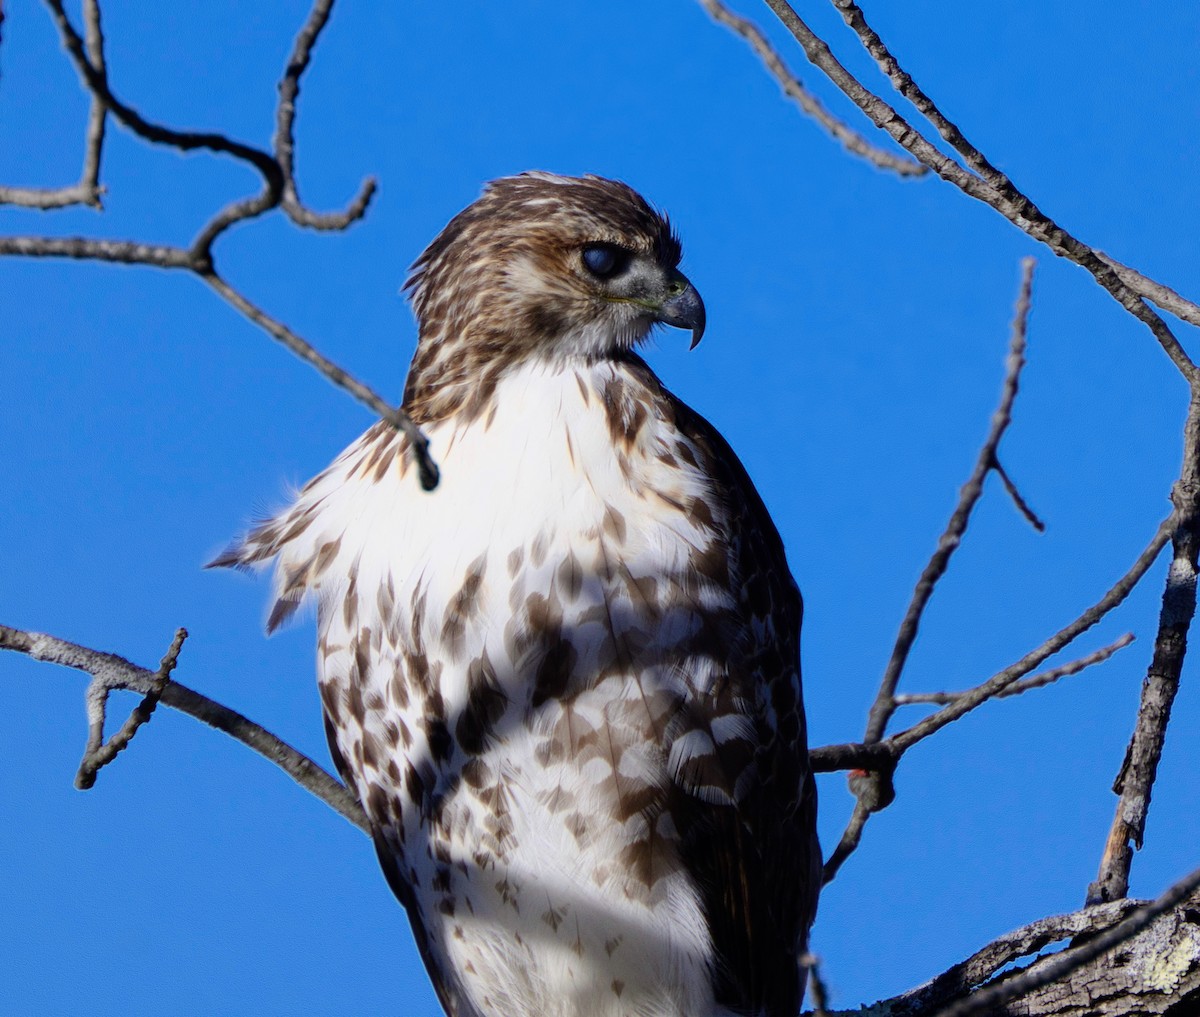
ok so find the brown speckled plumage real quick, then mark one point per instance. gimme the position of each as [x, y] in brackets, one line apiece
[565, 685]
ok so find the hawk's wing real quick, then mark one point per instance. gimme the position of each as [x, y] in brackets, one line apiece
[757, 861]
[306, 542]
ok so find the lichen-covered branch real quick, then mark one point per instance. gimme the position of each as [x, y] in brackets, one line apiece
[1157, 969]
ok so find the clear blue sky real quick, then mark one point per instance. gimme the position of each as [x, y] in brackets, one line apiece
[857, 327]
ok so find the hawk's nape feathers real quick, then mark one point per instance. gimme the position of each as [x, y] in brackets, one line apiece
[565, 685]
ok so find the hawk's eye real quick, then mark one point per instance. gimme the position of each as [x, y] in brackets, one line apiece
[605, 261]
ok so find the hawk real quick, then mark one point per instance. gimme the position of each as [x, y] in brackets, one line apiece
[565, 685]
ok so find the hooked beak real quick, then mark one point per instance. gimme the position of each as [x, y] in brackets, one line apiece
[683, 308]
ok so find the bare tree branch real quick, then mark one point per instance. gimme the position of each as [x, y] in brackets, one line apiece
[1037, 681]
[975, 697]
[125, 252]
[981, 180]
[792, 86]
[851, 836]
[115, 672]
[816, 984]
[874, 763]
[987, 999]
[1022, 505]
[279, 190]
[87, 190]
[426, 467]
[873, 789]
[96, 80]
[285, 144]
[885, 703]
[1135, 780]
[99, 753]
[1160, 960]
[1164, 296]
[1018, 209]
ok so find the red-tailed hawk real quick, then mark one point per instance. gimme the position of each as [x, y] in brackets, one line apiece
[565, 685]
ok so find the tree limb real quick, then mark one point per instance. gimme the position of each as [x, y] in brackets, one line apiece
[1037, 681]
[1017, 208]
[1156, 972]
[113, 672]
[794, 88]
[1135, 781]
[87, 190]
[279, 190]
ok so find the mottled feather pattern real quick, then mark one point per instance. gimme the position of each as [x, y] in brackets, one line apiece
[564, 685]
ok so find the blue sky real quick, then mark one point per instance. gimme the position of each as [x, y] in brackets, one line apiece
[857, 328]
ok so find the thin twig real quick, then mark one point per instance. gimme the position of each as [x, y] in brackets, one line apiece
[973, 698]
[99, 753]
[117, 672]
[87, 190]
[1003, 195]
[904, 84]
[1020, 205]
[873, 788]
[427, 468]
[877, 760]
[165, 256]
[795, 89]
[848, 843]
[991, 997]
[97, 82]
[1036, 681]
[1020, 211]
[873, 755]
[285, 142]
[816, 984]
[885, 705]
[1022, 505]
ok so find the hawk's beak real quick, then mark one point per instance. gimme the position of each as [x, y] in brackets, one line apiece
[683, 308]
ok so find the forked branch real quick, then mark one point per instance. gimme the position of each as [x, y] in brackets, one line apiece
[279, 190]
[110, 672]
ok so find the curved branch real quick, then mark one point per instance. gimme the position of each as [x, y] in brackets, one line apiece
[116, 672]
[1020, 211]
[87, 190]
[794, 89]
[96, 79]
[285, 142]
[426, 467]
[885, 702]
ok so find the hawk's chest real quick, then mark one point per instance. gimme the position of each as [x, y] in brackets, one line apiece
[572, 493]
[526, 636]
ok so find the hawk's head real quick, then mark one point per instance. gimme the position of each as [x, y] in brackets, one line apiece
[547, 266]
